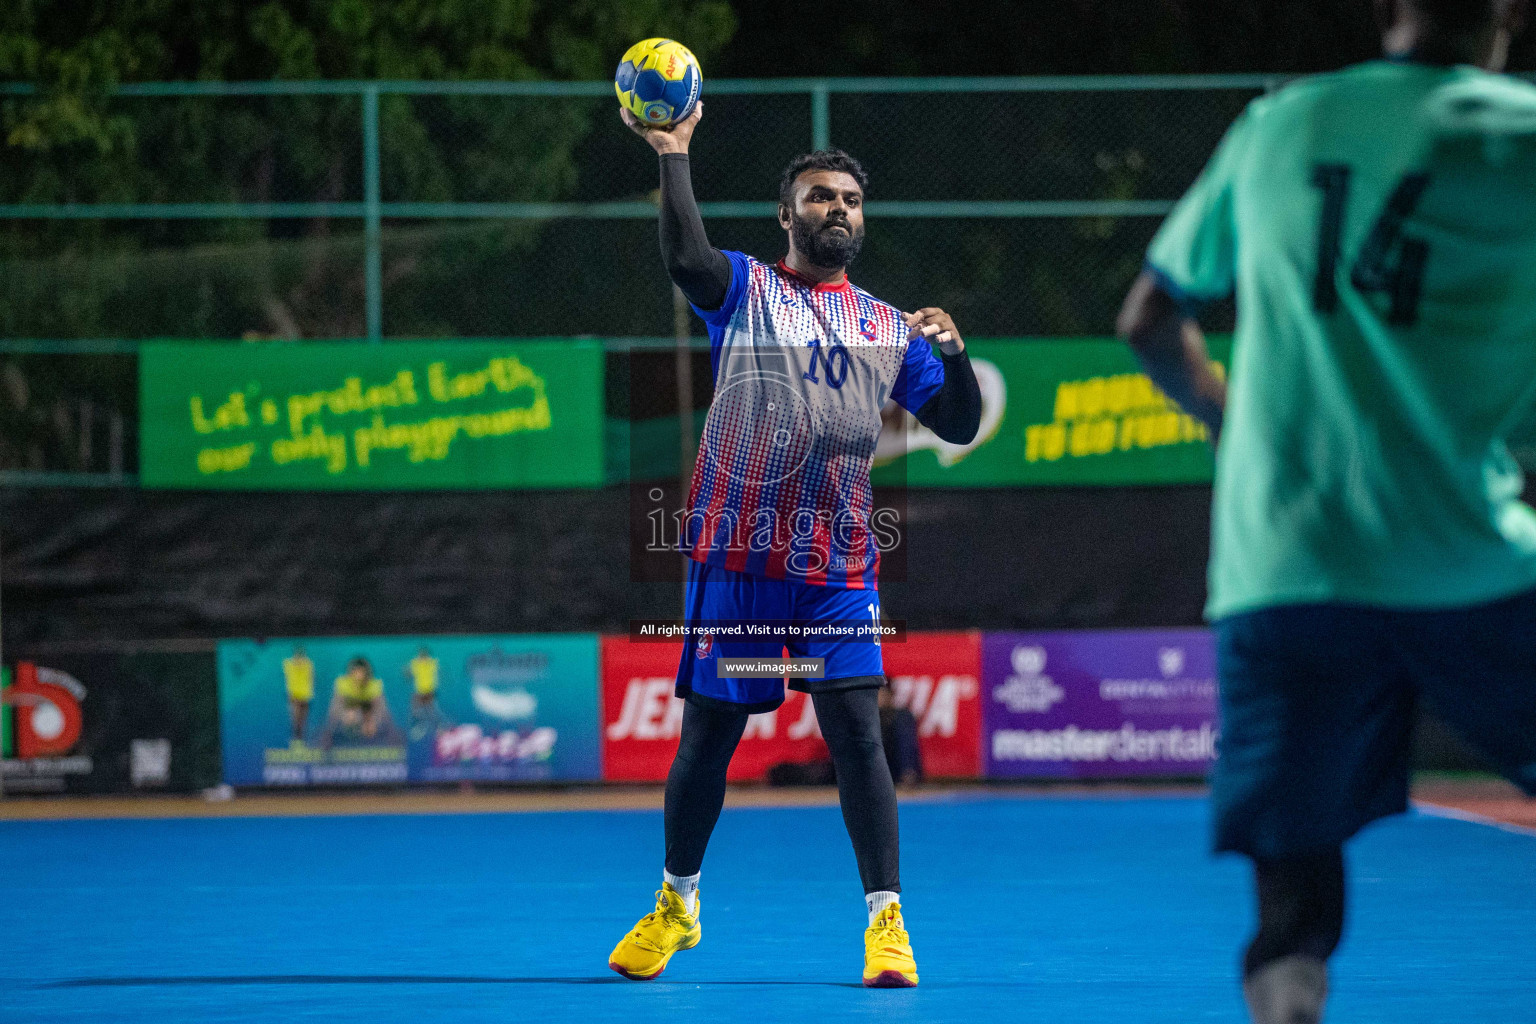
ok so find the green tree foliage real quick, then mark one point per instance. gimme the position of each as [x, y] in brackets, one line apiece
[74, 143]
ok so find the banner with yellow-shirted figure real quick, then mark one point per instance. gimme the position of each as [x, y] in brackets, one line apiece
[354, 415]
[384, 710]
[1055, 412]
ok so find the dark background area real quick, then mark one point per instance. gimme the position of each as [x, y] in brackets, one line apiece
[126, 565]
[122, 566]
[118, 566]
[1061, 37]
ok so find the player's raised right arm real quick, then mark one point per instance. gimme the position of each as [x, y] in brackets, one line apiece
[700, 270]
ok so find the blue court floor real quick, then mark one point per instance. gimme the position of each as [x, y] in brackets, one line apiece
[1040, 910]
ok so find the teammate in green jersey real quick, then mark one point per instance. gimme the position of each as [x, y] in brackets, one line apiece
[1378, 226]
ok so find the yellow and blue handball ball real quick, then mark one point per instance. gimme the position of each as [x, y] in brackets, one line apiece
[658, 81]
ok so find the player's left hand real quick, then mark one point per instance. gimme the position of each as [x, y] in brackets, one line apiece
[935, 324]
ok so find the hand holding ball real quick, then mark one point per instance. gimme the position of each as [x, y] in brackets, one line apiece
[658, 82]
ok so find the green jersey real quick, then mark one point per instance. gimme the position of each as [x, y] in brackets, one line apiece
[1379, 228]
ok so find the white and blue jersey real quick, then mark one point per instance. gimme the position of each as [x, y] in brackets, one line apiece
[781, 489]
[781, 517]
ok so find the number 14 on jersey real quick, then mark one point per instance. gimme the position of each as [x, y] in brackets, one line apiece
[1390, 262]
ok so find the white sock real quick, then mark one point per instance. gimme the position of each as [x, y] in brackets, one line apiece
[687, 887]
[878, 901]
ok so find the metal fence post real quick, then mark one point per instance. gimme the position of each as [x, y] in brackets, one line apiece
[821, 116]
[373, 268]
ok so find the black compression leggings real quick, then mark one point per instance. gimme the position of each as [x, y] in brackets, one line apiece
[850, 722]
[696, 782]
[1301, 908]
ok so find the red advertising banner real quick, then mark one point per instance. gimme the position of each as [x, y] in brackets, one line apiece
[933, 673]
[642, 719]
[938, 675]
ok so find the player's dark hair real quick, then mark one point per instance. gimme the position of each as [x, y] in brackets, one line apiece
[1456, 16]
[821, 160]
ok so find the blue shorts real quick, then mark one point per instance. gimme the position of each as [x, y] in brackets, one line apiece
[722, 598]
[1318, 705]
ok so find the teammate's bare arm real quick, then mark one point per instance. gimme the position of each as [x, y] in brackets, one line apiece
[1171, 348]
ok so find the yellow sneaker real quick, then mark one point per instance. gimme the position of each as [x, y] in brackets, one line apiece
[888, 959]
[643, 953]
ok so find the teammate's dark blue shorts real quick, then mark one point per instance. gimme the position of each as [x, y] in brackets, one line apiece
[1318, 705]
[723, 598]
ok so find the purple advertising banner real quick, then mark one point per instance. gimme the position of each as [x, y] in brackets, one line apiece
[1121, 704]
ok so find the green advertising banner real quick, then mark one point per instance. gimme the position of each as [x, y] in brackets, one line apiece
[5, 712]
[1065, 412]
[354, 415]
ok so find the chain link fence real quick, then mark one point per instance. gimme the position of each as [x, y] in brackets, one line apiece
[443, 210]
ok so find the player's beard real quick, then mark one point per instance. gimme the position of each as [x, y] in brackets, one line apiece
[825, 249]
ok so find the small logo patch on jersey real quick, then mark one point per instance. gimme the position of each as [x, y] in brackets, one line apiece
[705, 645]
[866, 328]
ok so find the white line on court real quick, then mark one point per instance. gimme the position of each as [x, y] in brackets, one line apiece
[1455, 814]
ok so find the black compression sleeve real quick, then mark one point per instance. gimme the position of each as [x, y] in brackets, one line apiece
[955, 412]
[850, 723]
[701, 271]
[1301, 909]
[696, 782]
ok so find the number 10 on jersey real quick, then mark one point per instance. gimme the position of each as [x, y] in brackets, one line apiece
[834, 359]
